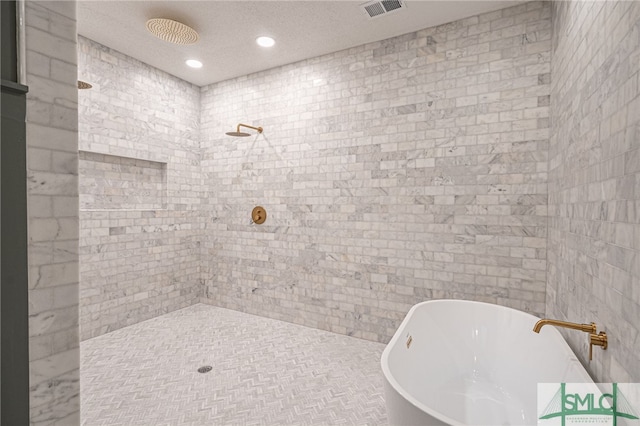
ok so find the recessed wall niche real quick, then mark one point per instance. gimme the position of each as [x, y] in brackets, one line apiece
[110, 182]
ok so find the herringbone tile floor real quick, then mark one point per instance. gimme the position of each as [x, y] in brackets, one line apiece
[265, 372]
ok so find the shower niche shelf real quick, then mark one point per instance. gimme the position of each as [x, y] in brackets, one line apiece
[111, 182]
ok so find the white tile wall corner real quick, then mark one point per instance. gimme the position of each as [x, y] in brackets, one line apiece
[52, 174]
[138, 259]
[594, 180]
[394, 172]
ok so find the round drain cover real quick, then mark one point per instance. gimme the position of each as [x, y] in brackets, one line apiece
[205, 369]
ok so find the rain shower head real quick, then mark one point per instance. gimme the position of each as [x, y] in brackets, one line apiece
[238, 133]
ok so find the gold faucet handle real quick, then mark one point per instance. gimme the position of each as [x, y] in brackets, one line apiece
[599, 339]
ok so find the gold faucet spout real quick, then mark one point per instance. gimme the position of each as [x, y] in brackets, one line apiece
[587, 328]
[594, 339]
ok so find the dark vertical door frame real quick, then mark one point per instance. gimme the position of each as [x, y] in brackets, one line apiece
[14, 309]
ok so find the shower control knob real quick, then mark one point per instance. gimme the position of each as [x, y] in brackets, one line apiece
[258, 215]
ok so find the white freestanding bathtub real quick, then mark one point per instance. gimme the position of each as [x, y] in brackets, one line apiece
[455, 362]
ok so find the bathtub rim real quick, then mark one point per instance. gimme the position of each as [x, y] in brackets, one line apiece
[389, 377]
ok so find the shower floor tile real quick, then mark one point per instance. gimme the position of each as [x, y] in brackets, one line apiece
[265, 372]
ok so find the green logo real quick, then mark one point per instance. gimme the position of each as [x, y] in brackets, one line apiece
[586, 406]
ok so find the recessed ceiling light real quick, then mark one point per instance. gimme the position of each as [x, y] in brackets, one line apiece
[265, 41]
[193, 63]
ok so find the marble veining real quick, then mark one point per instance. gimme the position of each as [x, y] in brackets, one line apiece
[408, 169]
[594, 176]
[140, 191]
[52, 196]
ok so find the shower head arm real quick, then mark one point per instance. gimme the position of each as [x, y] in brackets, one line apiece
[258, 129]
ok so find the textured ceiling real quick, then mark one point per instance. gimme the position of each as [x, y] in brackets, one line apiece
[228, 29]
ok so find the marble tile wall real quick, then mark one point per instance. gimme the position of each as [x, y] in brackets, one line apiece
[137, 259]
[394, 172]
[111, 182]
[52, 190]
[594, 180]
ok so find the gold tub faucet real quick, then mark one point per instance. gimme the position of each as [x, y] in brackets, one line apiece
[587, 328]
[599, 339]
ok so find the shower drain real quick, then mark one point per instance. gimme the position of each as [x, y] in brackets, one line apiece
[205, 369]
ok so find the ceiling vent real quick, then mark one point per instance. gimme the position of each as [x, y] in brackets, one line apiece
[377, 8]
